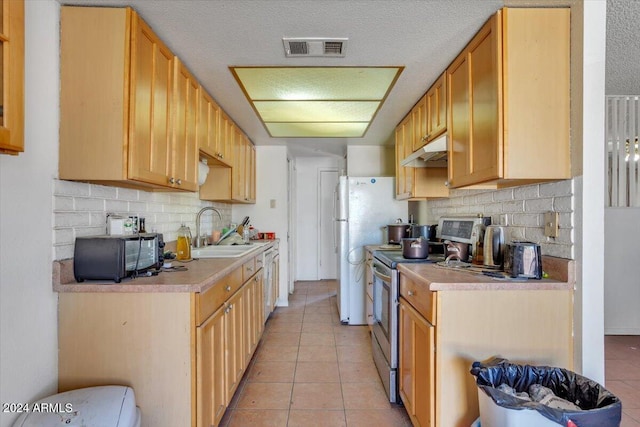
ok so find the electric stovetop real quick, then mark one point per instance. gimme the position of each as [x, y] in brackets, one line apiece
[391, 258]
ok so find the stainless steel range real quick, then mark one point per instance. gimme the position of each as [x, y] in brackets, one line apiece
[386, 293]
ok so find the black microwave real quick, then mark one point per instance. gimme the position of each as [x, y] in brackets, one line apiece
[116, 257]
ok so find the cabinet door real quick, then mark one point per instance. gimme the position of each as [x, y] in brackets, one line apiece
[239, 168]
[234, 355]
[399, 169]
[419, 113]
[225, 139]
[417, 360]
[251, 173]
[210, 358]
[184, 172]
[275, 281]
[404, 145]
[150, 100]
[12, 81]
[436, 102]
[473, 81]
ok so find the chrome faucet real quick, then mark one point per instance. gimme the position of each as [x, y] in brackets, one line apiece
[197, 241]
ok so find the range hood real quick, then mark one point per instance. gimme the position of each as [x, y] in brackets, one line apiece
[432, 155]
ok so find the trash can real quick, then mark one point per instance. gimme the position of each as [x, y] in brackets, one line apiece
[512, 395]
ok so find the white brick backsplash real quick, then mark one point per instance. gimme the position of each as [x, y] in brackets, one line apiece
[523, 206]
[484, 198]
[72, 219]
[63, 236]
[526, 192]
[63, 252]
[116, 206]
[103, 192]
[70, 188]
[513, 206]
[138, 207]
[87, 204]
[127, 194]
[538, 205]
[525, 219]
[63, 203]
[80, 210]
[563, 204]
[503, 195]
[555, 189]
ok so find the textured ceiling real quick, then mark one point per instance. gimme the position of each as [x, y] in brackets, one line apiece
[623, 47]
[422, 35]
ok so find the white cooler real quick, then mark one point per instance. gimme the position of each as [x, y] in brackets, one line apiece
[104, 406]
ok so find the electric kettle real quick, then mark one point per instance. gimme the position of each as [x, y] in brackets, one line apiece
[494, 246]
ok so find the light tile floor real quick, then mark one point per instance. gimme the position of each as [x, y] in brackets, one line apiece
[309, 370]
[622, 374]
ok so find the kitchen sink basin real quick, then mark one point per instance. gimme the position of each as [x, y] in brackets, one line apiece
[224, 251]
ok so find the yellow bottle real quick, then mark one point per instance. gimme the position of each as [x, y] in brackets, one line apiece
[183, 245]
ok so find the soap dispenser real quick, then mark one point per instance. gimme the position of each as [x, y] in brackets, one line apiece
[183, 245]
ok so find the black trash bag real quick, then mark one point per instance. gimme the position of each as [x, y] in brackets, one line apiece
[600, 408]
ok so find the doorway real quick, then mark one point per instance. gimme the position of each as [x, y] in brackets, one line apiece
[327, 245]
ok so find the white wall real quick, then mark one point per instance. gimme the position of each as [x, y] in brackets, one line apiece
[307, 210]
[622, 286]
[368, 160]
[271, 185]
[28, 305]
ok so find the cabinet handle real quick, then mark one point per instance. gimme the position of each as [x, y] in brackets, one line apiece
[172, 180]
[230, 307]
[410, 293]
[228, 288]
[255, 279]
[179, 181]
[249, 268]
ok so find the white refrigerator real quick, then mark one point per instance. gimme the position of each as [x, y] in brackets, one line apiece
[364, 206]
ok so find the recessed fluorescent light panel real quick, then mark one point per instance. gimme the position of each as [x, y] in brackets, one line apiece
[316, 102]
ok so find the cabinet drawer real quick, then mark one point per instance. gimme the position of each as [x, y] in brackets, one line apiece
[213, 298]
[420, 297]
[248, 269]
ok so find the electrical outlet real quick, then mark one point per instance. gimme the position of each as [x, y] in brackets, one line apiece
[551, 224]
[272, 203]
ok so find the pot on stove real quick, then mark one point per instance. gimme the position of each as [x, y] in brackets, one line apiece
[456, 250]
[398, 231]
[415, 248]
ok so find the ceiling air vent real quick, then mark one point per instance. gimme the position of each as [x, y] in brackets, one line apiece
[335, 47]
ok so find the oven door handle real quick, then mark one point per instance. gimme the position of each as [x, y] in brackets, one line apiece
[384, 277]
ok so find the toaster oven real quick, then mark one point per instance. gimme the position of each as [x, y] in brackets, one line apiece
[116, 257]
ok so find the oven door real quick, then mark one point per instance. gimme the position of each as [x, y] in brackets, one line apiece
[385, 311]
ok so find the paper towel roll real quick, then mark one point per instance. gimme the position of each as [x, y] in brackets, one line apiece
[203, 171]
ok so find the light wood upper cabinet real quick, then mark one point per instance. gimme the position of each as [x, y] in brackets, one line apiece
[150, 107]
[238, 183]
[185, 144]
[416, 183]
[430, 115]
[436, 106]
[508, 110]
[127, 105]
[212, 126]
[419, 115]
[12, 78]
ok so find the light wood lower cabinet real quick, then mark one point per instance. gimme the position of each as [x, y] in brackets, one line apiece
[184, 354]
[442, 333]
[211, 339]
[416, 365]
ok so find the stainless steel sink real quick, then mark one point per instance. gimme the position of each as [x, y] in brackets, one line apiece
[222, 251]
